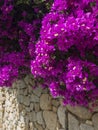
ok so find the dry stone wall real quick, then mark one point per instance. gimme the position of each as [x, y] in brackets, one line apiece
[24, 108]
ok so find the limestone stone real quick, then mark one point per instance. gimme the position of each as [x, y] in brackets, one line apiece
[80, 112]
[89, 122]
[32, 116]
[54, 109]
[50, 119]
[39, 127]
[86, 127]
[45, 102]
[1, 107]
[31, 125]
[55, 103]
[27, 109]
[20, 84]
[36, 107]
[21, 92]
[26, 100]
[61, 115]
[73, 123]
[11, 116]
[37, 91]
[58, 125]
[23, 112]
[40, 117]
[2, 98]
[26, 121]
[29, 80]
[31, 106]
[7, 103]
[20, 98]
[30, 90]
[23, 125]
[25, 92]
[18, 128]
[95, 121]
[34, 98]
[21, 119]
[20, 107]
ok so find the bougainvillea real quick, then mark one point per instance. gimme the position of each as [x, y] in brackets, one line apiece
[67, 51]
[19, 29]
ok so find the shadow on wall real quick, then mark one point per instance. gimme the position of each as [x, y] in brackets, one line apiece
[25, 108]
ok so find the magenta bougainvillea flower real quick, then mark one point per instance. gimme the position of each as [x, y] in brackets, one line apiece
[66, 52]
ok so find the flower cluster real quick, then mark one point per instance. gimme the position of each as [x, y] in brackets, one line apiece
[19, 29]
[66, 55]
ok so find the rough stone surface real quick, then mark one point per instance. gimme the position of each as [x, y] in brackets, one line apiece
[40, 118]
[37, 91]
[31, 125]
[45, 102]
[39, 127]
[89, 122]
[81, 112]
[55, 103]
[26, 100]
[21, 84]
[61, 115]
[86, 127]
[33, 116]
[24, 108]
[73, 122]
[31, 106]
[95, 121]
[34, 98]
[36, 107]
[50, 119]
